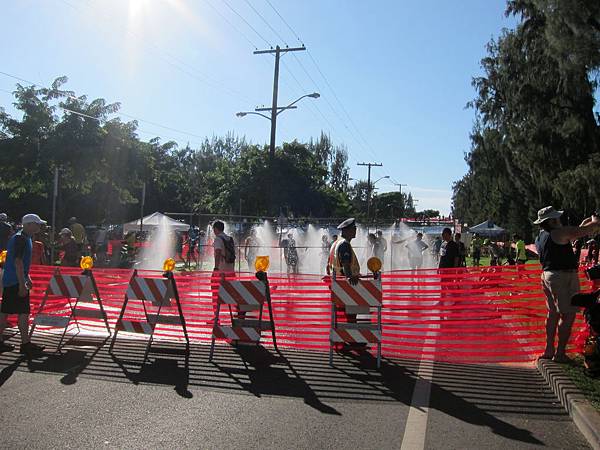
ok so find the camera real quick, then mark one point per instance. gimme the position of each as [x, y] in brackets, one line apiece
[593, 273]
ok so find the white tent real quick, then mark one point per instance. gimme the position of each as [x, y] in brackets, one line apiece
[487, 229]
[152, 222]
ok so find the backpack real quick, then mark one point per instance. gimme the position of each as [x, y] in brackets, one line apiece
[229, 254]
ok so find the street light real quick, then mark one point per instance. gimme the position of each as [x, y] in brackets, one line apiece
[369, 189]
[275, 111]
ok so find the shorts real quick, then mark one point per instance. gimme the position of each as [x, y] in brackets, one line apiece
[12, 303]
[559, 286]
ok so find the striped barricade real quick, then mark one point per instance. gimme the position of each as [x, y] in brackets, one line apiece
[80, 288]
[157, 293]
[249, 296]
[363, 298]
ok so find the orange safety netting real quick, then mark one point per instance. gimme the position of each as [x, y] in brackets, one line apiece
[479, 314]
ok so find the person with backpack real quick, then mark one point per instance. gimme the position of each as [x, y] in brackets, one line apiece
[224, 250]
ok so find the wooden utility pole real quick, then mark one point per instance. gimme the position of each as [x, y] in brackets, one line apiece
[369, 187]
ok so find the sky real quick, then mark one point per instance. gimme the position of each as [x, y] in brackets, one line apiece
[394, 76]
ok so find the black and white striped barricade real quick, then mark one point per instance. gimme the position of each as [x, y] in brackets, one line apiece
[151, 292]
[249, 296]
[81, 288]
[364, 298]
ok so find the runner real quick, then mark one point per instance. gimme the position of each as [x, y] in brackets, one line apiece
[416, 249]
[251, 249]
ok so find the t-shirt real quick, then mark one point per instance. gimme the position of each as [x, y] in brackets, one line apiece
[71, 257]
[37, 252]
[219, 244]
[345, 255]
[19, 246]
[5, 232]
[448, 253]
[78, 232]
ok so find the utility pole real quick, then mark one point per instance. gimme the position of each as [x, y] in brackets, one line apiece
[274, 109]
[142, 204]
[403, 211]
[369, 188]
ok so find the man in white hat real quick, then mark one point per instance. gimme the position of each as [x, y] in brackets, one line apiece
[560, 278]
[17, 283]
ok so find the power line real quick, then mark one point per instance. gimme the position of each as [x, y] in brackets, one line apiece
[266, 22]
[285, 22]
[247, 23]
[231, 24]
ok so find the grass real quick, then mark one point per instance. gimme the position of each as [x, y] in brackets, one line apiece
[589, 386]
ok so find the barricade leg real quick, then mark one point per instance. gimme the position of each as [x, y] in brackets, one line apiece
[333, 325]
[112, 342]
[212, 342]
[380, 328]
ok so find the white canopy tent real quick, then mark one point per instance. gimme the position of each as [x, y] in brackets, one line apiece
[152, 222]
[487, 229]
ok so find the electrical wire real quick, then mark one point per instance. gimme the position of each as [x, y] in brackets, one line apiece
[266, 22]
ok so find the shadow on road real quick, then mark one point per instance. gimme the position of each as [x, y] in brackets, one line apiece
[476, 394]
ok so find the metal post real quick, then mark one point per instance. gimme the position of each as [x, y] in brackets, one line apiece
[142, 207]
[54, 197]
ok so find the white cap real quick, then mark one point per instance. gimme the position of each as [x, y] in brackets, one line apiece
[32, 218]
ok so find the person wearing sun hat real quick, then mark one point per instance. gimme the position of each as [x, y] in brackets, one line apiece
[560, 278]
[17, 283]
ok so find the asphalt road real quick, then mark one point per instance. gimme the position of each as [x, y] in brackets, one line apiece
[253, 397]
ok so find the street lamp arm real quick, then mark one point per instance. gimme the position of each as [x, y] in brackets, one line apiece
[313, 95]
[245, 113]
[379, 179]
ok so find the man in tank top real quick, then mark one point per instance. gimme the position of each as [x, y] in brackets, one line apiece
[560, 279]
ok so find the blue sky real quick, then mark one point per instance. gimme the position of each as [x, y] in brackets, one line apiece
[394, 76]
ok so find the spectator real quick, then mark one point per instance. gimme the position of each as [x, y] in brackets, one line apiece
[462, 250]
[436, 247]
[560, 277]
[17, 284]
[224, 250]
[6, 231]
[592, 253]
[494, 252]
[476, 249]
[520, 249]
[69, 247]
[224, 254]
[79, 234]
[38, 251]
[449, 257]
[415, 252]
[101, 246]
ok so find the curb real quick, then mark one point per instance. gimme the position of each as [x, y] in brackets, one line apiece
[585, 417]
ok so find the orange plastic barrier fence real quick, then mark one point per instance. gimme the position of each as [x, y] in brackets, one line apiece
[484, 314]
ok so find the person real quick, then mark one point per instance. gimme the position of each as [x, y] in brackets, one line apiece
[101, 246]
[251, 249]
[192, 241]
[179, 245]
[560, 277]
[476, 249]
[69, 247]
[436, 247]
[290, 253]
[344, 261]
[494, 251]
[79, 234]
[224, 250]
[38, 251]
[382, 246]
[592, 253]
[325, 247]
[520, 249]
[6, 231]
[224, 255]
[462, 250]
[372, 244]
[449, 257]
[17, 284]
[415, 252]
